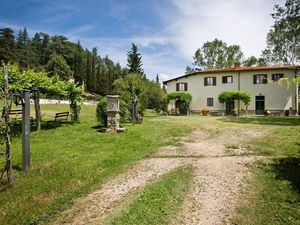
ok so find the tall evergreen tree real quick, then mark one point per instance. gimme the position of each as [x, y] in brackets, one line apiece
[134, 60]
[7, 45]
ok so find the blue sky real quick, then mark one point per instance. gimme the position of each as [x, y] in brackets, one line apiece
[167, 32]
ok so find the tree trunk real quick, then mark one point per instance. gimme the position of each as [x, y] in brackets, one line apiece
[8, 152]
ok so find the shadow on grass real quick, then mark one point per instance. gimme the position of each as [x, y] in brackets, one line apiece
[16, 128]
[289, 169]
[270, 120]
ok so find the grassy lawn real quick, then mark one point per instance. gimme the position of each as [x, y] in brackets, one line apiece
[158, 202]
[70, 161]
[272, 195]
[273, 192]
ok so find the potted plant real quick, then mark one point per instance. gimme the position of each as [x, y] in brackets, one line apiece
[267, 112]
[205, 111]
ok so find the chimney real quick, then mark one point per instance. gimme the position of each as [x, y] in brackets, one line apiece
[237, 64]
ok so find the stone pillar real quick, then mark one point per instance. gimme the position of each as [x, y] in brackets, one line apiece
[113, 109]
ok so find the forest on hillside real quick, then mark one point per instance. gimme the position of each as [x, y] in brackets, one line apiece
[57, 55]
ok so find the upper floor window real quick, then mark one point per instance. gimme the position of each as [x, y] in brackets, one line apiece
[277, 76]
[210, 81]
[181, 86]
[260, 79]
[227, 79]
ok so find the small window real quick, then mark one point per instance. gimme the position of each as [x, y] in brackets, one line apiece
[210, 81]
[227, 79]
[260, 79]
[210, 102]
[277, 76]
[181, 86]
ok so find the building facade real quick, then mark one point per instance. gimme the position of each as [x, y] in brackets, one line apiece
[262, 83]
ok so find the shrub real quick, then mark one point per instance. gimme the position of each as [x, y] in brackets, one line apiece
[101, 111]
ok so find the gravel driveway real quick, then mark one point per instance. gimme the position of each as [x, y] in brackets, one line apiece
[217, 181]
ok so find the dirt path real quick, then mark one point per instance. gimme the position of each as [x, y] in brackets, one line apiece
[219, 171]
[94, 208]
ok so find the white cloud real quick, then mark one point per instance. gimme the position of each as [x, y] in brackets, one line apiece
[234, 21]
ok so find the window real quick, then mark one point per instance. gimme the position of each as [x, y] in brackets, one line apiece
[210, 81]
[210, 102]
[260, 79]
[277, 76]
[227, 79]
[181, 86]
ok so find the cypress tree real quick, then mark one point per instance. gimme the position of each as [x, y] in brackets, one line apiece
[134, 60]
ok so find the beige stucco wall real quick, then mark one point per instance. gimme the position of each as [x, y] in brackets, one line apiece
[276, 97]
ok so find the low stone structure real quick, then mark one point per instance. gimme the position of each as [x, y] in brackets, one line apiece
[113, 116]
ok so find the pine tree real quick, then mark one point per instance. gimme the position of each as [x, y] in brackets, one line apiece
[24, 49]
[7, 45]
[134, 60]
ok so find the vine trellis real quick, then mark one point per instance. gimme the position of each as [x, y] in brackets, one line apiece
[5, 130]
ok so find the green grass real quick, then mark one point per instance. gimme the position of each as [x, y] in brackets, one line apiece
[272, 195]
[282, 139]
[159, 202]
[70, 161]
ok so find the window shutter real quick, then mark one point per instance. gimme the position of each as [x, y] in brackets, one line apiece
[224, 79]
[205, 81]
[185, 86]
[254, 79]
[214, 80]
[265, 79]
[177, 86]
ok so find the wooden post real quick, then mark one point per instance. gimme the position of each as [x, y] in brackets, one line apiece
[37, 108]
[26, 131]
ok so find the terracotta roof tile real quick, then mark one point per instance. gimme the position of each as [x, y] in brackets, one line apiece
[233, 69]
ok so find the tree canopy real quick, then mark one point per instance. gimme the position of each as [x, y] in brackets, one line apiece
[217, 54]
[283, 39]
[56, 55]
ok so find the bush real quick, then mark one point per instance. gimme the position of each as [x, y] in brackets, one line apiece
[101, 111]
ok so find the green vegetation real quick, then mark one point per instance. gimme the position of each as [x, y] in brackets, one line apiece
[186, 98]
[234, 95]
[101, 111]
[70, 161]
[282, 139]
[159, 202]
[272, 195]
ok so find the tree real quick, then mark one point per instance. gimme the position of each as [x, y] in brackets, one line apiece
[57, 65]
[134, 60]
[283, 39]
[7, 45]
[217, 54]
[24, 49]
[251, 61]
[189, 69]
[132, 85]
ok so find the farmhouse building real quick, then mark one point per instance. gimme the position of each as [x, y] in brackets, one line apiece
[260, 82]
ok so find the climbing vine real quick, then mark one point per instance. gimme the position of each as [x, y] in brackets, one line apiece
[234, 95]
[186, 98]
[51, 86]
